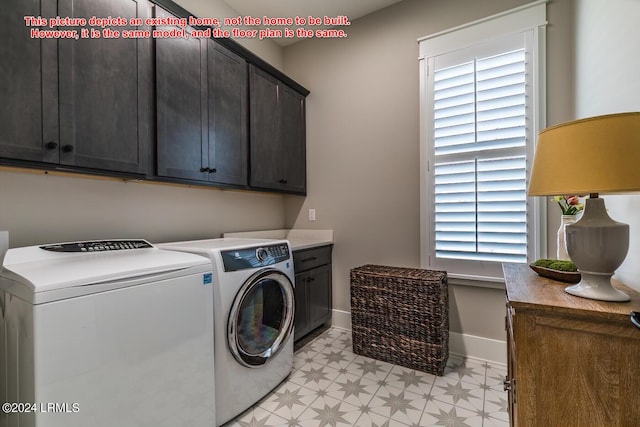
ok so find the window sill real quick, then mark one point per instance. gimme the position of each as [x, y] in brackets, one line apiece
[476, 281]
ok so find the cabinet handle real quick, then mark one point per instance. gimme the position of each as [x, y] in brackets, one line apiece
[51, 145]
[313, 258]
[67, 148]
[212, 170]
[282, 181]
[204, 170]
[311, 279]
[635, 319]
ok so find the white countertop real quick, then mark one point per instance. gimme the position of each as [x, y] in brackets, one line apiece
[299, 239]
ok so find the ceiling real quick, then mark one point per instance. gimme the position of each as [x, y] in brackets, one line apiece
[353, 9]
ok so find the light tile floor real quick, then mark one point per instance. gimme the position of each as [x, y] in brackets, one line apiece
[332, 386]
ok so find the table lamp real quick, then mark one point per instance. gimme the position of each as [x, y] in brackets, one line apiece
[591, 156]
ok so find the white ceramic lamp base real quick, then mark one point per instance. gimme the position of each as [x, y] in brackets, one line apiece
[597, 245]
[596, 286]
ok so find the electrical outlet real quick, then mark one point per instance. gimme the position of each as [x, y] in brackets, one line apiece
[312, 214]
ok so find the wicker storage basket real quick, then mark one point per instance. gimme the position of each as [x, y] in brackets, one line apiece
[401, 316]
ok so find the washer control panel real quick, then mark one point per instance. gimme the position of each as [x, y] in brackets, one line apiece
[97, 246]
[260, 256]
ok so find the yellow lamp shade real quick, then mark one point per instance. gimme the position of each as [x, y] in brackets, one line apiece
[595, 155]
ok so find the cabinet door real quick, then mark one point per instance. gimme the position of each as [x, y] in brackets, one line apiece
[266, 157]
[292, 140]
[277, 134]
[228, 114]
[29, 84]
[181, 71]
[105, 92]
[301, 319]
[319, 291]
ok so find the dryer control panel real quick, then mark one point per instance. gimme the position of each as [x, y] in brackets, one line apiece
[254, 257]
[97, 246]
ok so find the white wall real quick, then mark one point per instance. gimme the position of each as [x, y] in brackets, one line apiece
[363, 139]
[36, 207]
[608, 81]
[44, 208]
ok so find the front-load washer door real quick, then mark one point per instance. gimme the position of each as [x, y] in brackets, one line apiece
[261, 318]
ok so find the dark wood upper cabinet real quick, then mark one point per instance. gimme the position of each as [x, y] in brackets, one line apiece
[265, 130]
[201, 111]
[277, 123]
[181, 72]
[28, 86]
[106, 92]
[293, 139]
[83, 103]
[228, 115]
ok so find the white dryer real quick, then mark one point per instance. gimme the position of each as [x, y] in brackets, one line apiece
[254, 304]
[106, 333]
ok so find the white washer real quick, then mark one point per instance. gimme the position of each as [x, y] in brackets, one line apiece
[106, 333]
[254, 310]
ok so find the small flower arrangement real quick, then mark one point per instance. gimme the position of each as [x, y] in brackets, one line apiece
[570, 205]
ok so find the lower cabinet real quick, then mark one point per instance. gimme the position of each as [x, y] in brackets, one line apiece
[313, 289]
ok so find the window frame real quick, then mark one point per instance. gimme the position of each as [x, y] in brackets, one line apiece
[477, 35]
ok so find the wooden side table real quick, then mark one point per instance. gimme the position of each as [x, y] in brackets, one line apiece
[572, 361]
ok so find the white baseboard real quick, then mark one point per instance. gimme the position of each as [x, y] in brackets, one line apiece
[481, 348]
[471, 346]
[341, 319]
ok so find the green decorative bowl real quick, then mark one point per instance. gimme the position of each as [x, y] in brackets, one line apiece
[561, 276]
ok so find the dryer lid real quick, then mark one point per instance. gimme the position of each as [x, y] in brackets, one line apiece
[67, 265]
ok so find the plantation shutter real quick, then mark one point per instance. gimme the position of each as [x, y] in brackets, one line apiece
[480, 159]
[482, 102]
